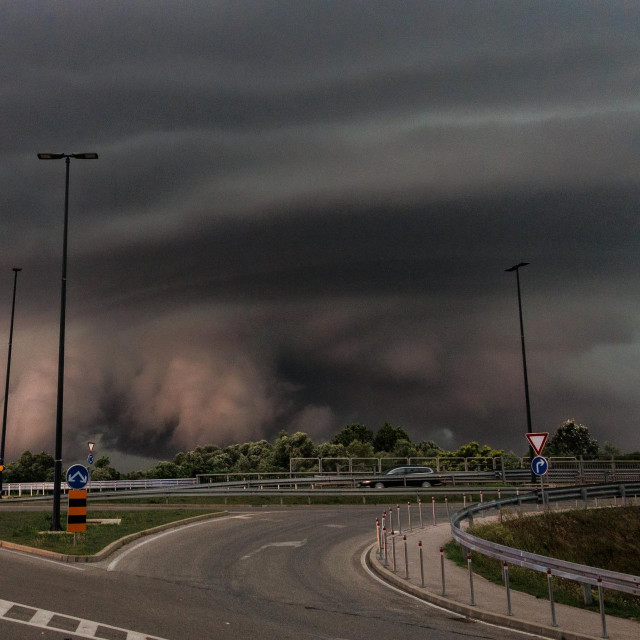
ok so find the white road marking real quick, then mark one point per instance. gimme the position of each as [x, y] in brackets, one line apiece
[112, 565]
[88, 627]
[85, 629]
[336, 526]
[291, 543]
[363, 562]
[31, 556]
[42, 618]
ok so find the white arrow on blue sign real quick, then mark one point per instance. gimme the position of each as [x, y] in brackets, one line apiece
[77, 476]
[540, 465]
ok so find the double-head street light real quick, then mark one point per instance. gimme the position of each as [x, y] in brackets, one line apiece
[57, 465]
[516, 268]
[6, 388]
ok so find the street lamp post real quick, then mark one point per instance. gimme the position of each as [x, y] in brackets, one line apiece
[57, 465]
[6, 388]
[516, 268]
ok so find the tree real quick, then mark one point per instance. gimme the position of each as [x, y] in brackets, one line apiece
[404, 449]
[572, 439]
[387, 436]
[610, 451]
[30, 468]
[103, 470]
[359, 449]
[299, 445]
[352, 432]
[429, 449]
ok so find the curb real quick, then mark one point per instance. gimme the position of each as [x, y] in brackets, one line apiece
[473, 613]
[110, 548]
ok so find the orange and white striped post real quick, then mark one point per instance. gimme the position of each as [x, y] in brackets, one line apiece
[77, 511]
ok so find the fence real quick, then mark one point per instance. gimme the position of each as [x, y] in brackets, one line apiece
[36, 488]
[379, 465]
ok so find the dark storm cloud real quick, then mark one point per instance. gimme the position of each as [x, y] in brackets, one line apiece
[302, 214]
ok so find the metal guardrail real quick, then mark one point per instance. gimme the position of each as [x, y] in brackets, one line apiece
[99, 485]
[580, 573]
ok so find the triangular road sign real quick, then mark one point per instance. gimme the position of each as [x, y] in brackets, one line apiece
[537, 441]
[91, 445]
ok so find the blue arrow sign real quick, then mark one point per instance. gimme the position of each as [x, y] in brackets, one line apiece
[90, 458]
[77, 476]
[539, 465]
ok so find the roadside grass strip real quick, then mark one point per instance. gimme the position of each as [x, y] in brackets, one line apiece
[605, 538]
[31, 529]
[43, 619]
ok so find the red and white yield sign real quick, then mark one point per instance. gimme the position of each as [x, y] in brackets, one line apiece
[537, 441]
[91, 445]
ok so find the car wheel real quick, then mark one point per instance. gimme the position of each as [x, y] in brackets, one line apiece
[379, 485]
[426, 483]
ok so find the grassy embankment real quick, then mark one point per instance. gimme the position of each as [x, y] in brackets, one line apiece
[26, 527]
[605, 538]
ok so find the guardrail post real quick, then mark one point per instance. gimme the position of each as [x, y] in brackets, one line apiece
[472, 601]
[554, 623]
[442, 570]
[505, 575]
[421, 563]
[406, 558]
[623, 493]
[585, 497]
[588, 596]
[481, 499]
[601, 598]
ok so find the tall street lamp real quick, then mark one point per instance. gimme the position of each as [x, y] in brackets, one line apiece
[6, 388]
[57, 465]
[516, 268]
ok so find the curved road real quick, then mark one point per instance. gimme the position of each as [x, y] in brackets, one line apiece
[292, 573]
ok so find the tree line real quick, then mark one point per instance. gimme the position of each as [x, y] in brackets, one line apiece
[353, 441]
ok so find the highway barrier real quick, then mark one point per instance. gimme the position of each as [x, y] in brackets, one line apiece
[600, 578]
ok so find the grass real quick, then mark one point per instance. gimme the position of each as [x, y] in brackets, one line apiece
[604, 538]
[26, 528]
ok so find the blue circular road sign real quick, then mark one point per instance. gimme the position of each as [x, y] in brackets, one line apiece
[90, 458]
[539, 465]
[77, 476]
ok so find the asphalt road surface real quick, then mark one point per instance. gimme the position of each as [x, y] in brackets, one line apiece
[281, 573]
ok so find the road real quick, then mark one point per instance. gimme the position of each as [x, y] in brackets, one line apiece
[292, 573]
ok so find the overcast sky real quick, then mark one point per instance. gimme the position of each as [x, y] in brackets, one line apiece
[302, 214]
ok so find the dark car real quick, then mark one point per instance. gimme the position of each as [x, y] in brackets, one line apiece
[406, 476]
